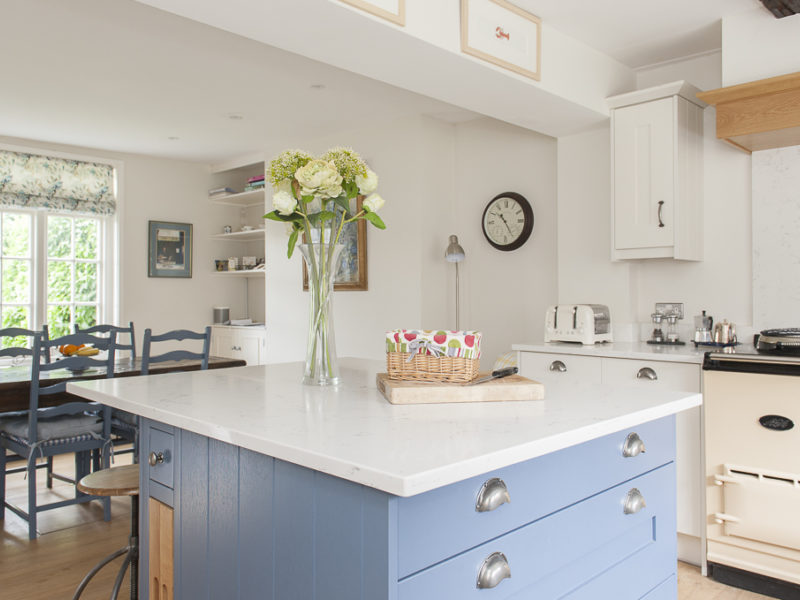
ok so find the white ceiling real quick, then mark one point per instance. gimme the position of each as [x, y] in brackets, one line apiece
[120, 75]
[641, 32]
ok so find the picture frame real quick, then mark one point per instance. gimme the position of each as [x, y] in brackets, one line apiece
[169, 249]
[393, 11]
[503, 34]
[352, 272]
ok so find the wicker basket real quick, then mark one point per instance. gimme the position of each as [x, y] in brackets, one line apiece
[424, 367]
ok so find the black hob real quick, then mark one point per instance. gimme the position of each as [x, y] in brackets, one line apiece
[774, 351]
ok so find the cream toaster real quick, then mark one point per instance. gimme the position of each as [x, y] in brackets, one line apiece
[584, 323]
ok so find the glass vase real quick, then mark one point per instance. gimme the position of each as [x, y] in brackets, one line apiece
[322, 262]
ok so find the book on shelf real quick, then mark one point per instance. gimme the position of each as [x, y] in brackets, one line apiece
[221, 191]
[256, 178]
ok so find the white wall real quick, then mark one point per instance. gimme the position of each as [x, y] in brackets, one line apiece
[505, 294]
[167, 190]
[756, 45]
[436, 179]
[720, 284]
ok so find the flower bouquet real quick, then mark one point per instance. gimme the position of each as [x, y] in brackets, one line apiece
[317, 197]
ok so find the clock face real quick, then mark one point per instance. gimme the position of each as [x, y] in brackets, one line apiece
[508, 221]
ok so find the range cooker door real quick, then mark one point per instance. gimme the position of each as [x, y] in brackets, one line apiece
[760, 505]
[752, 446]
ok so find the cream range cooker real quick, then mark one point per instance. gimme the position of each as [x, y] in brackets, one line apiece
[752, 465]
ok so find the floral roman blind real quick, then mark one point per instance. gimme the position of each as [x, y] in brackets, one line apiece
[58, 184]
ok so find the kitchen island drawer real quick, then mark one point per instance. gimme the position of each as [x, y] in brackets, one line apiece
[443, 522]
[561, 367]
[159, 452]
[542, 560]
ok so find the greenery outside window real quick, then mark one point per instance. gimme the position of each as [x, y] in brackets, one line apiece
[64, 282]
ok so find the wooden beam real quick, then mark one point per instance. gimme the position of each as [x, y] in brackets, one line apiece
[782, 8]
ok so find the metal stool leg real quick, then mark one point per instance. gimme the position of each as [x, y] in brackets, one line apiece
[96, 569]
[131, 559]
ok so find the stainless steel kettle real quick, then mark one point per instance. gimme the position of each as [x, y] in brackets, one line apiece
[724, 332]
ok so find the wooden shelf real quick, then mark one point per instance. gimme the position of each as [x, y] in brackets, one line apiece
[250, 273]
[241, 236]
[758, 115]
[242, 199]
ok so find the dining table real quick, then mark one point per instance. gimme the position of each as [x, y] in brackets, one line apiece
[15, 380]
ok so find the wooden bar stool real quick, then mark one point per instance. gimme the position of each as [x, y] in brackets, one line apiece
[117, 481]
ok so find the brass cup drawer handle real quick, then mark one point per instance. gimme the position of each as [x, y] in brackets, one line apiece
[647, 373]
[155, 458]
[557, 367]
[493, 494]
[634, 502]
[633, 445]
[493, 570]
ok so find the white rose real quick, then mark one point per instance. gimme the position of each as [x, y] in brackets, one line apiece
[319, 178]
[284, 203]
[368, 184]
[373, 203]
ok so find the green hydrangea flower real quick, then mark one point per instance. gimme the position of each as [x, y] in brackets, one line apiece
[286, 164]
[347, 161]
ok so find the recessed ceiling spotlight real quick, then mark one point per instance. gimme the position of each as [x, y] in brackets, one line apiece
[317, 86]
[173, 138]
[236, 116]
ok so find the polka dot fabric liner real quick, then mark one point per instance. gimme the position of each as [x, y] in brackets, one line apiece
[453, 344]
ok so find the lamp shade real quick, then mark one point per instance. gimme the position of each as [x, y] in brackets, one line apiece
[454, 252]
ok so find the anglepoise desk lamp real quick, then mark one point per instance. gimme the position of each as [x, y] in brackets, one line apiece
[455, 254]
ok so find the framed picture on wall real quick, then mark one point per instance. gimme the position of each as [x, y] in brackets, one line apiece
[503, 34]
[169, 249]
[391, 10]
[352, 271]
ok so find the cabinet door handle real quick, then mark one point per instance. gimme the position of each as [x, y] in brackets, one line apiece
[660, 206]
[493, 570]
[558, 366]
[634, 502]
[633, 445]
[155, 458]
[493, 494]
[646, 373]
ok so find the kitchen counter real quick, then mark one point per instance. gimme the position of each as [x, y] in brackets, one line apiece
[635, 350]
[353, 433]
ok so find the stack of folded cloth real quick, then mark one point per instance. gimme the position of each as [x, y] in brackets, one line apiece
[255, 183]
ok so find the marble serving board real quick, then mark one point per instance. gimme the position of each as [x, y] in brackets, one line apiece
[513, 387]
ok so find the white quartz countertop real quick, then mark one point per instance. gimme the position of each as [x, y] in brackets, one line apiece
[635, 350]
[352, 432]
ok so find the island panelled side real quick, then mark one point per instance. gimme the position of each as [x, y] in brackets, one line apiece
[594, 520]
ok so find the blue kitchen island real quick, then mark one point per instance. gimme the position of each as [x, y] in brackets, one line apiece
[255, 486]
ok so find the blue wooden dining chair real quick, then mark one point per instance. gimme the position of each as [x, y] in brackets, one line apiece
[79, 427]
[18, 354]
[107, 329]
[124, 425]
[178, 335]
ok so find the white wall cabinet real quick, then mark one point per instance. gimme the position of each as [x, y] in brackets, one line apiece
[247, 343]
[657, 173]
[645, 375]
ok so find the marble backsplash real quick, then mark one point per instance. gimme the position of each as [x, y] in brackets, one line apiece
[776, 238]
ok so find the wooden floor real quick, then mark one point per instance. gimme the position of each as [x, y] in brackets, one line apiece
[73, 539]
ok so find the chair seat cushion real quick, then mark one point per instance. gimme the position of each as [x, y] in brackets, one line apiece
[123, 416]
[57, 428]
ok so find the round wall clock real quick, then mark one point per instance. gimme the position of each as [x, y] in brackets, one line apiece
[507, 221]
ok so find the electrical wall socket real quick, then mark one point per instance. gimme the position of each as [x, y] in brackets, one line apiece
[670, 308]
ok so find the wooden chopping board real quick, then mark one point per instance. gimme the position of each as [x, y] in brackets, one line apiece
[513, 387]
